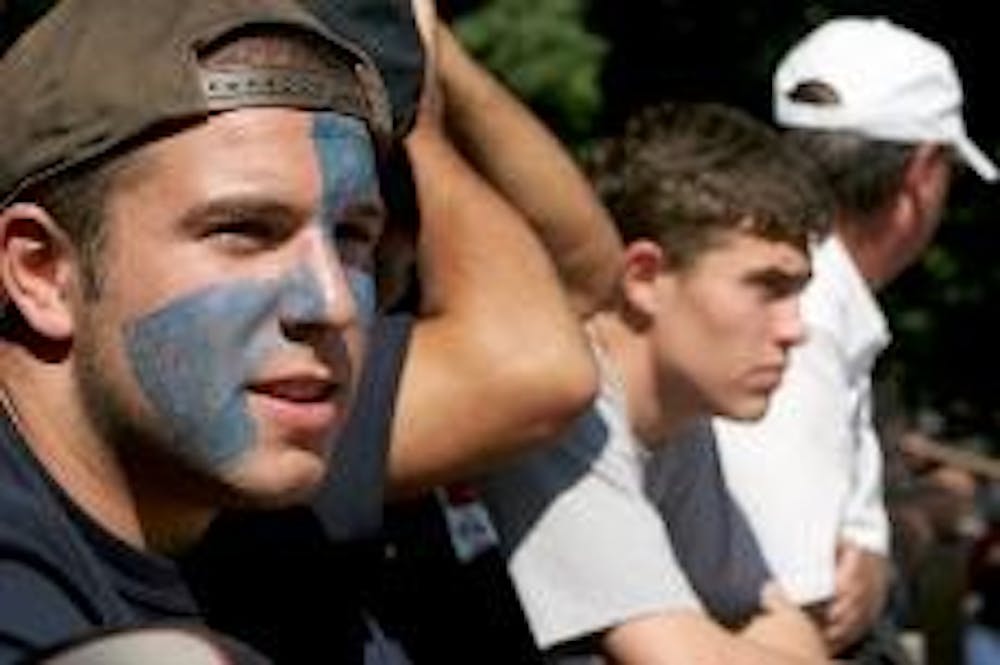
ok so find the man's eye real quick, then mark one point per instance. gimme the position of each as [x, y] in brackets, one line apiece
[778, 287]
[356, 243]
[244, 233]
[354, 233]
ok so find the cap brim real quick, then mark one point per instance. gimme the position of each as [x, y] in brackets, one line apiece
[976, 159]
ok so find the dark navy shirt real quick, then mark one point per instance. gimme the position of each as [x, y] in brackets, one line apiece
[62, 575]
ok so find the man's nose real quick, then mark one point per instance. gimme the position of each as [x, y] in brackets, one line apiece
[319, 296]
[789, 325]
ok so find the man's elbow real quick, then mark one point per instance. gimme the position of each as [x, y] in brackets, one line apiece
[520, 405]
[556, 386]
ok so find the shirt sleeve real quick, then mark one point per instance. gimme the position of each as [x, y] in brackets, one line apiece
[587, 549]
[866, 523]
[710, 534]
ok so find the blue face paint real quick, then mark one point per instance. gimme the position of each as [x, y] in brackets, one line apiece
[347, 162]
[362, 286]
[194, 357]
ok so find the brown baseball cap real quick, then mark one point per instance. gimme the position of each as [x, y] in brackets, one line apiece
[92, 75]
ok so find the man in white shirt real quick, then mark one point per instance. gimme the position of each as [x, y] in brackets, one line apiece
[879, 107]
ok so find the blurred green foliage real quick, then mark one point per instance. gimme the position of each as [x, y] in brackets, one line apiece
[543, 50]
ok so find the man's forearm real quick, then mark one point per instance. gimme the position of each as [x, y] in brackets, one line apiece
[471, 394]
[682, 638]
[521, 158]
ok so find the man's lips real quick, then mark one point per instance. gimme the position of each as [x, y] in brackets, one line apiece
[768, 377]
[308, 405]
[301, 389]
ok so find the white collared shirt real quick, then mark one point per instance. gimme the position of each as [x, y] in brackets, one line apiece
[810, 472]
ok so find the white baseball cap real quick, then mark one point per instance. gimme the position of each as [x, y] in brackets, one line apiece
[891, 84]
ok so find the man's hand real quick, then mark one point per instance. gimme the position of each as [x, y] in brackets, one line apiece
[862, 581]
[431, 107]
[783, 626]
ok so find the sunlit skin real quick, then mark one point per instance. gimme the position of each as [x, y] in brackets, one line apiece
[725, 324]
[235, 294]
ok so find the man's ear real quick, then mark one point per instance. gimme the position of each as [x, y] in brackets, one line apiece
[36, 269]
[924, 186]
[644, 264]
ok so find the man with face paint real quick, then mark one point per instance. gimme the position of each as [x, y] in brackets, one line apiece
[189, 210]
[470, 396]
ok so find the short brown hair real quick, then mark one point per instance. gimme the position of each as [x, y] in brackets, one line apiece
[682, 172]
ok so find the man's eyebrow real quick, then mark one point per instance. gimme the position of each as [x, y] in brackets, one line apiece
[369, 208]
[773, 276]
[242, 206]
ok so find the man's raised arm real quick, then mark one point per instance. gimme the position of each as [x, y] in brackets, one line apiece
[497, 360]
[521, 158]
